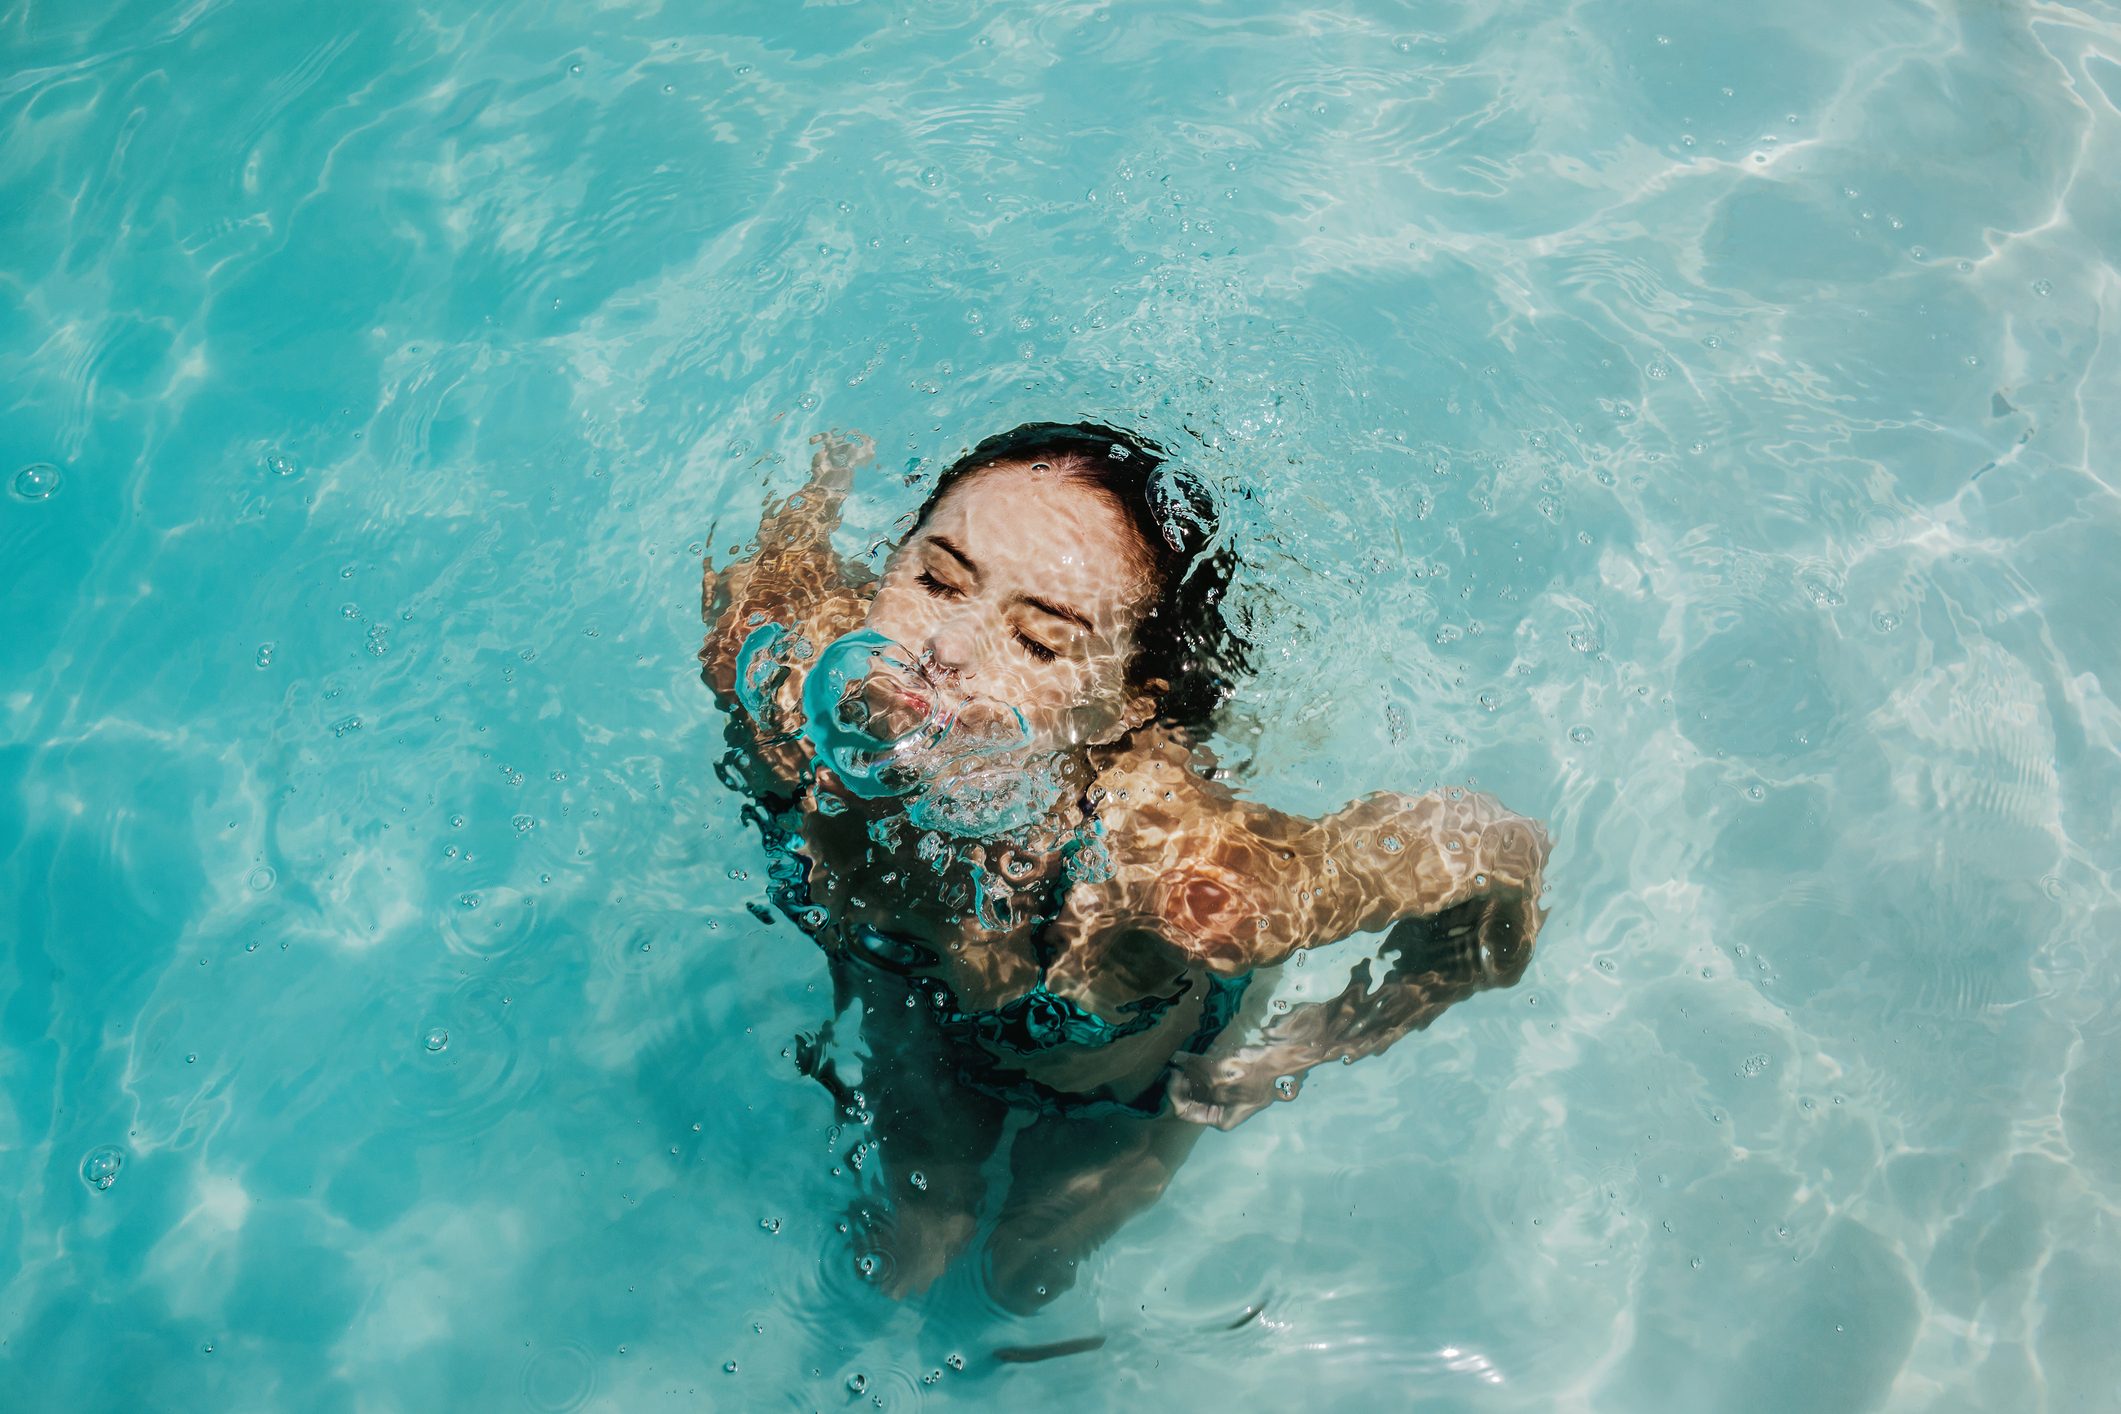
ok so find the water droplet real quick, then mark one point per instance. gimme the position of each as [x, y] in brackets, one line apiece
[264, 658]
[36, 481]
[1885, 621]
[281, 464]
[1756, 791]
[2043, 288]
[770, 1224]
[100, 1168]
[1605, 964]
[931, 176]
[207, 1349]
[437, 1039]
[524, 824]
[261, 878]
[919, 1180]
[192, 1059]
[955, 1362]
[857, 1382]
[729, 1367]
[1580, 734]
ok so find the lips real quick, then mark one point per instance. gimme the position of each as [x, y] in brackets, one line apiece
[892, 708]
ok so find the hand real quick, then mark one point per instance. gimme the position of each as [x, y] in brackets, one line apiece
[1223, 1093]
[837, 457]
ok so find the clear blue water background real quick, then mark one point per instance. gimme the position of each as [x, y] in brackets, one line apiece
[1694, 423]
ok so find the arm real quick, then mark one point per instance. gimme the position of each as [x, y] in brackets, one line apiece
[1435, 961]
[794, 568]
[1235, 885]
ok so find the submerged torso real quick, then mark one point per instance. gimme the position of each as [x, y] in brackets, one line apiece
[956, 934]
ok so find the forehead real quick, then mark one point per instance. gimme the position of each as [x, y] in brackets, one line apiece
[1050, 534]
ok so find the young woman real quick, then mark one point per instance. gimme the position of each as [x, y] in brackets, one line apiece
[982, 778]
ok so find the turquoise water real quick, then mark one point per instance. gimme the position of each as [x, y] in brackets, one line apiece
[1692, 423]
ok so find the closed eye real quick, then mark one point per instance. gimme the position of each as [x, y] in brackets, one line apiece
[1036, 649]
[936, 587]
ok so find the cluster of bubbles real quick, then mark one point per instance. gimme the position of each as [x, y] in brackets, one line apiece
[965, 766]
[100, 1169]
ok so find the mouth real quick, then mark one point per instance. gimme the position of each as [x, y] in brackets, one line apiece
[887, 707]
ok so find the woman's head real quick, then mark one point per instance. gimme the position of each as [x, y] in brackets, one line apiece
[1065, 571]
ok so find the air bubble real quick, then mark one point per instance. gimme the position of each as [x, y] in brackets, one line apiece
[770, 1224]
[1580, 734]
[281, 464]
[100, 1169]
[729, 1367]
[36, 481]
[264, 655]
[262, 878]
[437, 1039]
[931, 176]
[2043, 288]
[919, 1180]
[857, 1382]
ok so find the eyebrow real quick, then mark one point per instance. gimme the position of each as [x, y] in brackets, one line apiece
[1059, 611]
[949, 547]
[1045, 606]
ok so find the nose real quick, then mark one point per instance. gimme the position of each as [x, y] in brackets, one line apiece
[953, 647]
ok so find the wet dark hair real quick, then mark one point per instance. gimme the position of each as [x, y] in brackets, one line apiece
[1185, 639]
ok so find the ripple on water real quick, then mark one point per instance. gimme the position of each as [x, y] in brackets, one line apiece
[460, 1068]
[558, 1378]
[1753, 686]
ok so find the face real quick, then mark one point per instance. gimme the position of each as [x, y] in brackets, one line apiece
[1024, 586]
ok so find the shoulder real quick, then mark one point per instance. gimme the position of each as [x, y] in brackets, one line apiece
[1187, 859]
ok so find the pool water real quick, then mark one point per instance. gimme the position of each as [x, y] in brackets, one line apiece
[1692, 423]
